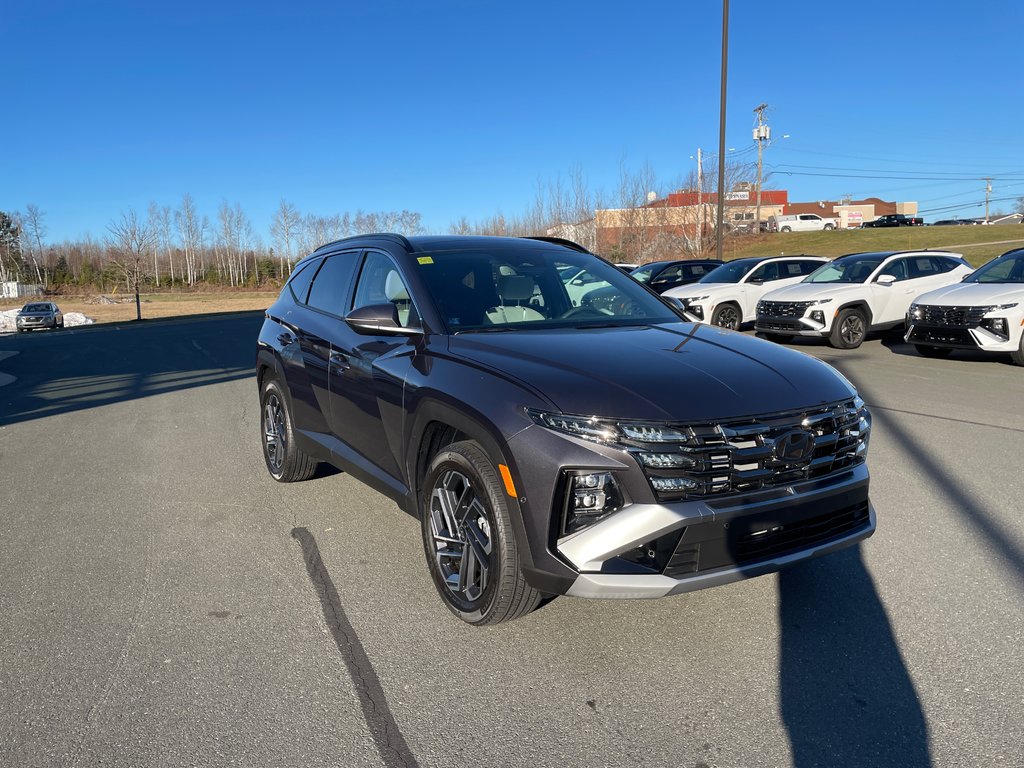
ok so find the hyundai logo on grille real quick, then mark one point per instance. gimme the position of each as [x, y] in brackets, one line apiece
[796, 447]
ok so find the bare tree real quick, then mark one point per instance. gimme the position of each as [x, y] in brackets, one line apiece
[190, 230]
[35, 230]
[130, 242]
[285, 229]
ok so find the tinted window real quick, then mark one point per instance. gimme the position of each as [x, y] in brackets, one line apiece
[672, 273]
[896, 268]
[696, 270]
[643, 274]
[796, 268]
[944, 265]
[766, 273]
[1008, 268]
[732, 272]
[380, 282]
[301, 278]
[856, 268]
[922, 266]
[332, 282]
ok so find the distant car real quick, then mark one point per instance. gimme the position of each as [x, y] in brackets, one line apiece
[39, 314]
[728, 295]
[845, 299]
[951, 223]
[984, 311]
[662, 276]
[801, 222]
[626, 267]
[893, 220]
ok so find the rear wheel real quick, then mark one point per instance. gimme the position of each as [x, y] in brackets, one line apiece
[468, 538]
[286, 462]
[786, 229]
[727, 316]
[849, 330]
[925, 350]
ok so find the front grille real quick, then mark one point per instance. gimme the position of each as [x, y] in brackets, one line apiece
[953, 317]
[747, 455]
[783, 308]
[942, 335]
[710, 546]
[776, 325]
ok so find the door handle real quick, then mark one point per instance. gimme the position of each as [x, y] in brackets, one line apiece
[339, 362]
[285, 339]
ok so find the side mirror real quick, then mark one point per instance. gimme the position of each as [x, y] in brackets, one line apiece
[886, 280]
[378, 319]
[756, 281]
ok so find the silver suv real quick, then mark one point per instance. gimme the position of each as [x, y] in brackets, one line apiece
[39, 314]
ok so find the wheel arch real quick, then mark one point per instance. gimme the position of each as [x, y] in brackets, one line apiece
[860, 304]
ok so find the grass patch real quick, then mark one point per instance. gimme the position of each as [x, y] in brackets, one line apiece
[978, 244]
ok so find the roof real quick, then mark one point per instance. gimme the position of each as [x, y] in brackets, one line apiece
[428, 243]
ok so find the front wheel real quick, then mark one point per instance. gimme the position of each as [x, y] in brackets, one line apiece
[727, 316]
[829, 227]
[925, 350]
[1018, 356]
[468, 538]
[786, 229]
[849, 330]
[286, 462]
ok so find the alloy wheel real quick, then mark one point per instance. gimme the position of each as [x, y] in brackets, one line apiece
[729, 318]
[274, 431]
[460, 525]
[852, 330]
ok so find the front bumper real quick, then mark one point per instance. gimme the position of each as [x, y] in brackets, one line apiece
[954, 337]
[694, 543]
[794, 326]
[726, 541]
[31, 323]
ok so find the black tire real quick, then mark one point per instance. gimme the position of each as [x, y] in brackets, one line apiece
[468, 538]
[786, 229]
[727, 315]
[829, 227]
[286, 463]
[1018, 356]
[925, 350]
[849, 329]
[61, 324]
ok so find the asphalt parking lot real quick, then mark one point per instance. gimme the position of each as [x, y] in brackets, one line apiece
[163, 602]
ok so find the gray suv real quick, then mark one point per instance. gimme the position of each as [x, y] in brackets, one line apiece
[39, 314]
[548, 447]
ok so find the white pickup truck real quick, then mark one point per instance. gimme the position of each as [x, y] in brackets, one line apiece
[801, 222]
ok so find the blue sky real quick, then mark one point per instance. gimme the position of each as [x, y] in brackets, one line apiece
[456, 108]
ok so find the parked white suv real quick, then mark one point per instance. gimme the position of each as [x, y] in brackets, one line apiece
[985, 311]
[727, 295]
[801, 222]
[855, 294]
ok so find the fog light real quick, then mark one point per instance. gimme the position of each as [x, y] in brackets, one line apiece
[591, 497]
[818, 316]
[696, 310]
[997, 325]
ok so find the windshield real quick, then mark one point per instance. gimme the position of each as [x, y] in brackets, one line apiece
[646, 272]
[848, 269]
[1008, 268]
[732, 272]
[36, 308]
[535, 288]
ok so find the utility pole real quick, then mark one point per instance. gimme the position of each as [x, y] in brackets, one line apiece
[721, 131]
[700, 201]
[988, 191]
[762, 133]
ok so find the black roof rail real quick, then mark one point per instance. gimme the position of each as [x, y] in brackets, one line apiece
[402, 240]
[558, 241]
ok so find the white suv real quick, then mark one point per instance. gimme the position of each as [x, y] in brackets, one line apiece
[727, 295]
[855, 294]
[985, 311]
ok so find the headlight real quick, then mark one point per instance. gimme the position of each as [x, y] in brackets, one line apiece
[916, 312]
[998, 307]
[820, 301]
[863, 430]
[690, 299]
[590, 497]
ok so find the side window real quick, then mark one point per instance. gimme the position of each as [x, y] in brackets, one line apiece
[332, 282]
[809, 217]
[791, 269]
[943, 265]
[381, 283]
[672, 273]
[696, 270]
[301, 278]
[765, 273]
[922, 266]
[807, 267]
[896, 268]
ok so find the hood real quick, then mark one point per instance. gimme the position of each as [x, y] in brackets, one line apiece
[815, 291]
[700, 289]
[673, 372]
[973, 294]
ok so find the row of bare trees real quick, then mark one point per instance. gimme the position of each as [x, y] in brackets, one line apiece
[180, 246]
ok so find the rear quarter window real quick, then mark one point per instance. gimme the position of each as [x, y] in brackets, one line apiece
[301, 278]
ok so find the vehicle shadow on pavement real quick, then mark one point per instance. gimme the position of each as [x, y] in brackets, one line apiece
[72, 372]
[846, 695]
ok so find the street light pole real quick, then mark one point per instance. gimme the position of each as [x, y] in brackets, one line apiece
[721, 130]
